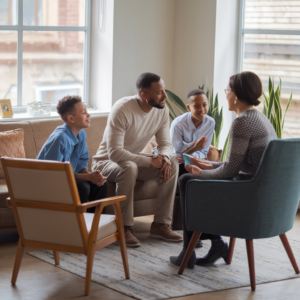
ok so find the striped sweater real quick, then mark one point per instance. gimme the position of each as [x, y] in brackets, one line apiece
[249, 136]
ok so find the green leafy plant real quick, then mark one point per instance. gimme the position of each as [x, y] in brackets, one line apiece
[226, 148]
[272, 107]
[213, 111]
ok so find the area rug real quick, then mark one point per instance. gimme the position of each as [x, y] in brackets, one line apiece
[153, 277]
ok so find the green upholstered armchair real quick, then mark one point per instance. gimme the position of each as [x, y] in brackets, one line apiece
[262, 207]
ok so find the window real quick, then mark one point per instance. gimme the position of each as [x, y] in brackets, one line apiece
[270, 46]
[44, 50]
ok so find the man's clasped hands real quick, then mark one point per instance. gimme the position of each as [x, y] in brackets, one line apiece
[163, 163]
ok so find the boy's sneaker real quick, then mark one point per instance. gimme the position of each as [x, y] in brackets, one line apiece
[130, 239]
[163, 231]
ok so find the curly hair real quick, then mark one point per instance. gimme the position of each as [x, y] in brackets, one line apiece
[66, 106]
[145, 80]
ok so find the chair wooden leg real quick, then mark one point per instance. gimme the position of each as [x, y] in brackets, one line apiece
[289, 252]
[122, 242]
[56, 257]
[89, 269]
[189, 251]
[230, 250]
[251, 263]
[124, 253]
[18, 259]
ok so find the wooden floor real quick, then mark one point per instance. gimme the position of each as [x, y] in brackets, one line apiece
[39, 280]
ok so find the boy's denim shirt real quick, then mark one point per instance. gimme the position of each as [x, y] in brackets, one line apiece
[63, 145]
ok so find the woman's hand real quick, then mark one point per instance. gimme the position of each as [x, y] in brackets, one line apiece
[194, 170]
[202, 163]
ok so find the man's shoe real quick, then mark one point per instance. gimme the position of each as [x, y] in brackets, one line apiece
[199, 244]
[130, 239]
[163, 231]
[177, 260]
[219, 249]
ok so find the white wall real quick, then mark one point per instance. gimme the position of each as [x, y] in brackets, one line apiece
[143, 42]
[183, 41]
[194, 45]
[102, 58]
[226, 52]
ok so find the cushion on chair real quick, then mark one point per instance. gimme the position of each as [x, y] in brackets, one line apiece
[151, 144]
[107, 225]
[29, 141]
[11, 145]
[214, 154]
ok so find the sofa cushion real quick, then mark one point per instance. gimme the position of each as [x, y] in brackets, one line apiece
[94, 135]
[3, 193]
[43, 128]
[11, 145]
[29, 143]
[7, 219]
[142, 190]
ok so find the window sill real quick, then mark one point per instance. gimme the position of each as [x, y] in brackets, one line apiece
[53, 115]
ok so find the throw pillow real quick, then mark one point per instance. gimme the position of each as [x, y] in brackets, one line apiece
[214, 154]
[11, 145]
[151, 144]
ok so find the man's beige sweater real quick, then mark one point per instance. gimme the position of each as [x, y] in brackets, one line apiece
[129, 129]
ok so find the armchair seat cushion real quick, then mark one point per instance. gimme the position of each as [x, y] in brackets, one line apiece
[107, 225]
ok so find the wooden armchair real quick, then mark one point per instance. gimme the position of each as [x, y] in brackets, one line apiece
[49, 215]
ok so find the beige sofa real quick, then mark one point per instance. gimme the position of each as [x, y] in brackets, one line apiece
[36, 133]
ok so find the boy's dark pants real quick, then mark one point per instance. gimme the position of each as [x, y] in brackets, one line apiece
[89, 191]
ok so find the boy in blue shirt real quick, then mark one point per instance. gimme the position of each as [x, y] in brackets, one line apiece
[192, 132]
[68, 143]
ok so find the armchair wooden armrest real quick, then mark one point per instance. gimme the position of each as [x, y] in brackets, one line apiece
[105, 202]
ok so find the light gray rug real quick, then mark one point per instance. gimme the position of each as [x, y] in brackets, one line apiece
[153, 277]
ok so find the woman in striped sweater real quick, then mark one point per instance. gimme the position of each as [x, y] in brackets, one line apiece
[249, 135]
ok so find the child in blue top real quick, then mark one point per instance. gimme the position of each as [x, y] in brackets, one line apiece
[192, 132]
[68, 143]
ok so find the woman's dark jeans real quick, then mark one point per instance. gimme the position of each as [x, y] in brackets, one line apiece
[187, 235]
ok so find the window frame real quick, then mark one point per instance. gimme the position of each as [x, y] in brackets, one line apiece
[243, 31]
[86, 52]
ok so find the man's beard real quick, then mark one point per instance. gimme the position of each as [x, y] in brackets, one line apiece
[153, 104]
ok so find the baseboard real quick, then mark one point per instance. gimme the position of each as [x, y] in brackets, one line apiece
[9, 237]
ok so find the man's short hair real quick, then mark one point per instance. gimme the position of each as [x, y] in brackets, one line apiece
[145, 80]
[194, 93]
[66, 106]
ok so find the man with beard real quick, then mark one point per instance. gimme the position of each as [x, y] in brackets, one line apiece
[133, 121]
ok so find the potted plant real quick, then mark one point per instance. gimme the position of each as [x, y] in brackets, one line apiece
[272, 107]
